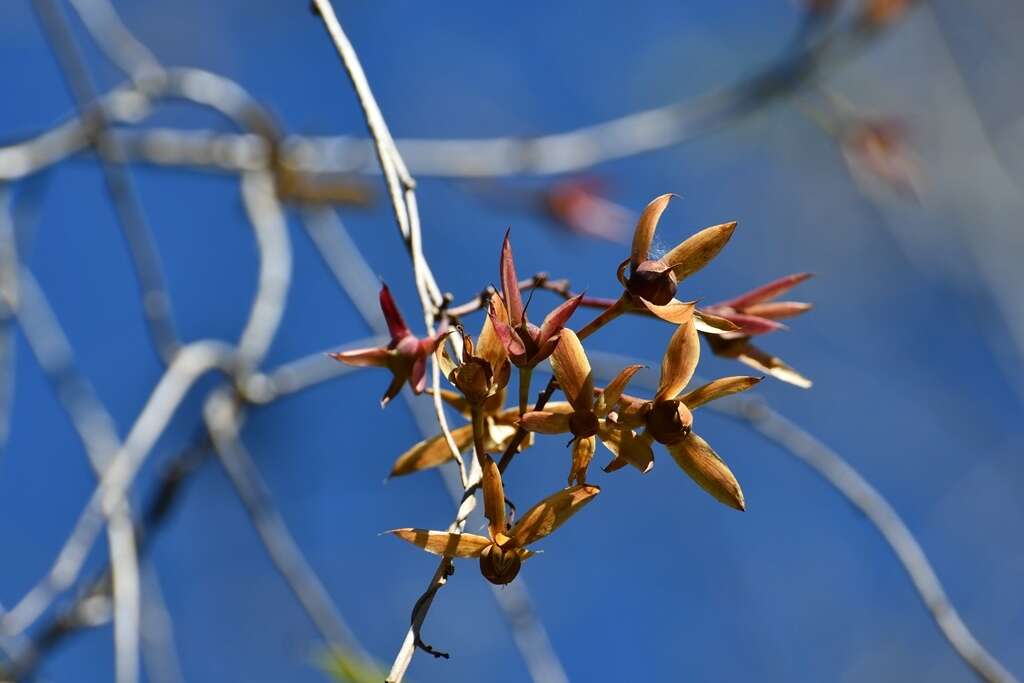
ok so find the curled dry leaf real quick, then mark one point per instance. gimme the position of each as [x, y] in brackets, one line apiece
[699, 460]
[698, 250]
[611, 394]
[748, 354]
[645, 227]
[502, 554]
[494, 497]
[755, 313]
[444, 543]
[717, 389]
[431, 452]
[582, 453]
[572, 368]
[712, 324]
[545, 422]
[765, 292]
[675, 311]
[629, 449]
[679, 362]
[549, 514]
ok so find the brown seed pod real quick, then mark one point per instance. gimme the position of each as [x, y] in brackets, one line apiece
[500, 566]
[583, 423]
[669, 422]
[654, 281]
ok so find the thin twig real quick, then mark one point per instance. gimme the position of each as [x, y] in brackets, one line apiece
[192, 362]
[8, 291]
[156, 305]
[159, 652]
[113, 37]
[95, 429]
[401, 188]
[288, 378]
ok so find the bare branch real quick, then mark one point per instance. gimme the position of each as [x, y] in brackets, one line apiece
[159, 653]
[192, 362]
[156, 306]
[117, 42]
[8, 290]
[95, 429]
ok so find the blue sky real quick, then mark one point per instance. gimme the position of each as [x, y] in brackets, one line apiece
[916, 377]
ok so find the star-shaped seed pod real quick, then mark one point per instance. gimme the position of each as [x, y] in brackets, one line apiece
[499, 428]
[652, 282]
[503, 550]
[526, 344]
[587, 420]
[668, 419]
[405, 355]
[482, 369]
[755, 313]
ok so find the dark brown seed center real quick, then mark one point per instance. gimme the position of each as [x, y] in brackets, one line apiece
[500, 566]
[669, 422]
[654, 282]
[583, 423]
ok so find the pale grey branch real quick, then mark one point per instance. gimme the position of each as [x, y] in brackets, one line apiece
[845, 480]
[222, 416]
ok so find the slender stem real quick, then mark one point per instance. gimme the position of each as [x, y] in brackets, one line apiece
[477, 415]
[605, 317]
[538, 281]
[525, 375]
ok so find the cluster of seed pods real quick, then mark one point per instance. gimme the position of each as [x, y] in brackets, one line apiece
[479, 370]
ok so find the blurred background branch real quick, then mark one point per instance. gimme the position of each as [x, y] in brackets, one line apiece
[123, 128]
